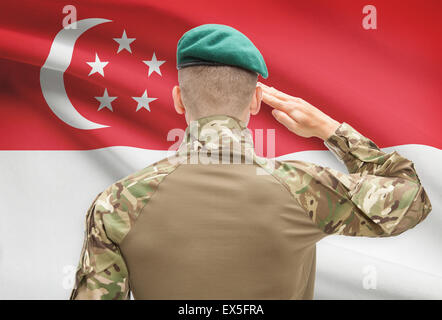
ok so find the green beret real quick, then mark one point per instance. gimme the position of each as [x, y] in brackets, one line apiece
[217, 44]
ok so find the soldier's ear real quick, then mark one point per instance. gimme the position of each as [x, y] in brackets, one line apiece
[177, 102]
[255, 104]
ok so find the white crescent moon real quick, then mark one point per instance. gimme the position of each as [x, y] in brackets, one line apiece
[52, 75]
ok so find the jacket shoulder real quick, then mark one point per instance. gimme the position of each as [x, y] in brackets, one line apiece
[120, 204]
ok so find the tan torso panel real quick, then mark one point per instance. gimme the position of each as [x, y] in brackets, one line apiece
[221, 231]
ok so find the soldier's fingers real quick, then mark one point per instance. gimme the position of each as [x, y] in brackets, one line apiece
[274, 102]
[262, 85]
[285, 119]
[279, 94]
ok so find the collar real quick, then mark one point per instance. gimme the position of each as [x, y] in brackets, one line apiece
[217, 132]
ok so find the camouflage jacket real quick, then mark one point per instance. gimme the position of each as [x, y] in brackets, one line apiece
[381, 196]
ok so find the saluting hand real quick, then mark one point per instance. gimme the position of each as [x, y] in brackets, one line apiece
[298, 115]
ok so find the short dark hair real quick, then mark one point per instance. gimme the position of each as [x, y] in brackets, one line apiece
[208, 90]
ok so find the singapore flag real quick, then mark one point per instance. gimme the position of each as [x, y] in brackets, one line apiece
[85, 99]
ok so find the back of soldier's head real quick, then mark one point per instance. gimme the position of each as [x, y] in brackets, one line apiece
[218, 68]
[209, 90]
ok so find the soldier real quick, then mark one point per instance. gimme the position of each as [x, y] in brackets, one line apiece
[195, 228]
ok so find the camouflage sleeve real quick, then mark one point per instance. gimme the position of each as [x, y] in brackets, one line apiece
[102, 272]
[381, 196]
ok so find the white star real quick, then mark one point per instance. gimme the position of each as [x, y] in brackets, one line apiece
[105, 101]
[154, 65]
[143, 101]
[97, 65]
[124, 42]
